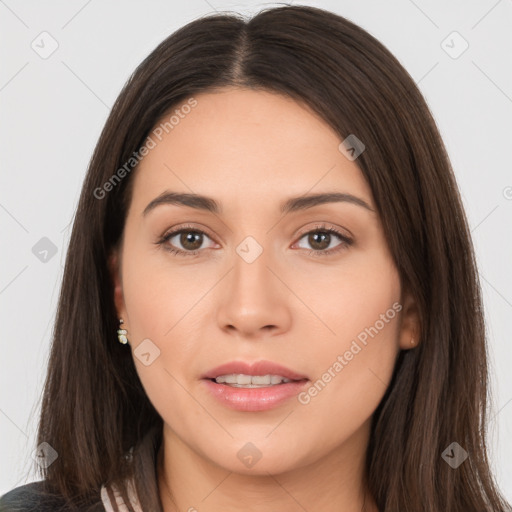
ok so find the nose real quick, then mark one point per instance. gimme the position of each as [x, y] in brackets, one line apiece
[254, 299]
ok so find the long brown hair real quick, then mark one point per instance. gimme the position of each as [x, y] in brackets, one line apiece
[94, 408]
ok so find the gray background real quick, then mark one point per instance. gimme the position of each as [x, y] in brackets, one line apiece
[54, 108]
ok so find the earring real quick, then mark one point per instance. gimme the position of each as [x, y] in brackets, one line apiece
[412, 341]
[121, 333]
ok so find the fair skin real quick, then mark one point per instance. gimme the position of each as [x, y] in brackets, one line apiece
[250, 151]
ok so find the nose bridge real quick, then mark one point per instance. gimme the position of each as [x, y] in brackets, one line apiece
[252, 299]
[251, 259]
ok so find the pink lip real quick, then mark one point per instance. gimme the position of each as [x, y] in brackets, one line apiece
[257, 368]
[254, 399]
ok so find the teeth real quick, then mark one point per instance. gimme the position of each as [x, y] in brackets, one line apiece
[250, 381]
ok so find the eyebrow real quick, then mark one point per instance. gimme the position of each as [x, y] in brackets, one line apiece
[293, 204]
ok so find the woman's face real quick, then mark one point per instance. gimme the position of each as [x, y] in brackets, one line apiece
[256, 282]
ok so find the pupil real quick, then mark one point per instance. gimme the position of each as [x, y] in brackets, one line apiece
[314, 237]
[189, 237]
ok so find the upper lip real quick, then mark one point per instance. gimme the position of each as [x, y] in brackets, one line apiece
[255, 368]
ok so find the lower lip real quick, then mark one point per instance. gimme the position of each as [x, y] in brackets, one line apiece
[254, 399]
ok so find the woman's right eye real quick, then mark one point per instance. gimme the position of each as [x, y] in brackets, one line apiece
[190, 240]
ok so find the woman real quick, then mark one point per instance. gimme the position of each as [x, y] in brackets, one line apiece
[271, 224]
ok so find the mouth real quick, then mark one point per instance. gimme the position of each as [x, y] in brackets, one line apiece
[257, 387]
[240, 380]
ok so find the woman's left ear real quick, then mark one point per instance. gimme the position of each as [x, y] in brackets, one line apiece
[410, 324]
[114, 267]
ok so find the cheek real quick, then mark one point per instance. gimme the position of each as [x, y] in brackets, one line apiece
[355, 364]
[159, 301]
[160, 296]
[165, 303]
[346, 300]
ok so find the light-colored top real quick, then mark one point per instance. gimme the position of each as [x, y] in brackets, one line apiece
[121, 505]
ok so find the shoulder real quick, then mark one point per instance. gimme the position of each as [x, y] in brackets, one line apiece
[32, 498]
[23, 498]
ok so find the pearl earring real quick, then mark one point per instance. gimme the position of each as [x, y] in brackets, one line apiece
[121, 333]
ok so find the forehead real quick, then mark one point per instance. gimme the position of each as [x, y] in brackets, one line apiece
[242, 146]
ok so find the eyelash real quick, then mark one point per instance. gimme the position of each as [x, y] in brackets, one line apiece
[346, 241]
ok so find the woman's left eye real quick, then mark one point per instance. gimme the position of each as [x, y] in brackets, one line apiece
[191, 241]
[322, 236]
